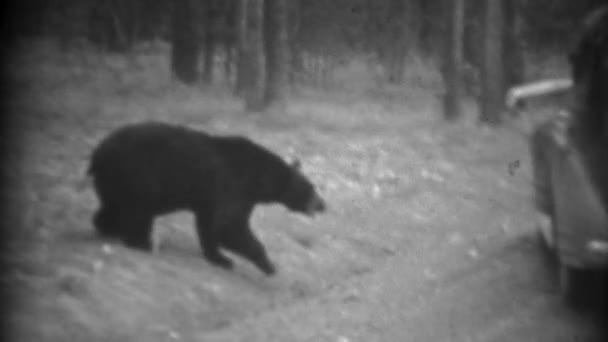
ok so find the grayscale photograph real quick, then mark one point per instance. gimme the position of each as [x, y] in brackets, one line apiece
[304, 171]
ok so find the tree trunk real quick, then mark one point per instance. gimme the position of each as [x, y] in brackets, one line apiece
[241, 42]
[454, 60]
[425, 32]
[185, 40]
[111, 24]
[252, 58]
[398, 40]
[296, 63]
[275, 30]
[228, 38]
[493, 88]
[514, 50]
[209, 52]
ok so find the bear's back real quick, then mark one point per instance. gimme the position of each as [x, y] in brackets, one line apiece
[153, 144]
[157, 161]
[251, 160]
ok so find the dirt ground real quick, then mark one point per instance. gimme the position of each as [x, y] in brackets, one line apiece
[429, 236]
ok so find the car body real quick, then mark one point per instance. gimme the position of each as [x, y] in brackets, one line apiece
[571, 197]
[570, 166]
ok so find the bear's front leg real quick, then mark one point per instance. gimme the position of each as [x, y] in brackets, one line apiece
[208, 239]
[239, 239]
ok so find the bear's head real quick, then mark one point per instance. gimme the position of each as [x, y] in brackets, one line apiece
[300, 195]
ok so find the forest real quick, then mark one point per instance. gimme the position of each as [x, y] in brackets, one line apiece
[396, 111]
[263, 47]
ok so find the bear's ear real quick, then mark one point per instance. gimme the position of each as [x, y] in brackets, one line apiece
[295, 164]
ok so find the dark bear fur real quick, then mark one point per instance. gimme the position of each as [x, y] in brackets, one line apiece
[149, 169]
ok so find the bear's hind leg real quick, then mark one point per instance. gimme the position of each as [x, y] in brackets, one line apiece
[107, 222]
[138, 231]
[208, 240]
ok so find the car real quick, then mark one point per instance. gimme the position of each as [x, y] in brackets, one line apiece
[570, 168]
[571, 204]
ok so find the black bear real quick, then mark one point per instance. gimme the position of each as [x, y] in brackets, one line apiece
[149, 169]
